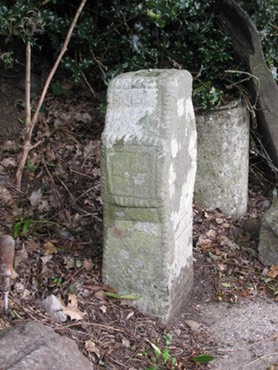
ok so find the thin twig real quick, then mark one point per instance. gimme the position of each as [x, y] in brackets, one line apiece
[59, 198]
[67, 189]
[101, 66]
[106, 327]
[248, 347]
[264, 154]
[86, 192]
[28, 86]
[27, 146]
[60, 56]
[250, 76]
[273, 25]
[88, 84]
[199, 73]
[252, 107]
[260, 358]
[83, 174]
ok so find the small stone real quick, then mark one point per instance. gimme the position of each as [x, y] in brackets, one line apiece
[194, 325]
[54, 308]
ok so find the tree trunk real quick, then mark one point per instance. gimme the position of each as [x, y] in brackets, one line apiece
[246, 42]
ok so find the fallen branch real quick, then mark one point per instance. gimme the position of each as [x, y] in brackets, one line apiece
[247, 46]
[31, 121]
[260, 358]
[249, 76]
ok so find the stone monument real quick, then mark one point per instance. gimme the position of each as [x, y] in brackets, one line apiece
[148, 168]
[223, 159]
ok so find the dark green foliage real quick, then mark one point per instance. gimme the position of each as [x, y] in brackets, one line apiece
[23, 20]
[203, 359]
[115, 36]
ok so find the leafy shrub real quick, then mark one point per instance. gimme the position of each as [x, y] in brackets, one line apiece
[264, 14]
[116, 36]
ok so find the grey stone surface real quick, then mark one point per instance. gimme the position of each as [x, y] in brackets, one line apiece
[148, 170]
[33, 346]
[222, 160]
[246, 334]
[268, 243]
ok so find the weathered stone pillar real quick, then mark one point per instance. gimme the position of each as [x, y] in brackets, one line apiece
[148, 173]
[223, 158]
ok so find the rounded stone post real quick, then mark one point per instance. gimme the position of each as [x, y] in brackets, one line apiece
[223, 158]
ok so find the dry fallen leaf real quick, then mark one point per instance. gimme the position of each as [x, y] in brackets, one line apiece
[49, 153]
[92, 149]
[44, 206]
[100, 295]
[126, 343]
[30, 245]
[3, 170]
[273, 273]
[219, 221]
[204, 243]
[50, 248]
[9, 146]
[88, 265]
[129, 315]
[245, 293]
[36, 198]
[194, 325]
[46, 259]
[72, 310]
[103, 308]
[5, 197]
[229, 243]
[211, 234]
[8, 162]
[60, 171]
[83, 117]
[221, 266]
[69, 262]
[92, 348]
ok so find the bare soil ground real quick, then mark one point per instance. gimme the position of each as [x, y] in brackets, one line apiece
[56, 219]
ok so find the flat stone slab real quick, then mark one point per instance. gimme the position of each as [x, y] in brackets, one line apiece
[34, 346]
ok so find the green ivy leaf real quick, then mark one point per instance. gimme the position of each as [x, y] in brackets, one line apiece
[26, 226]
[78, 264]
[203, 358]
[57, 89]
[16, 230]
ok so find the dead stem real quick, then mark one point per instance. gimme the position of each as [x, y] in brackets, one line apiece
[31, 121]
